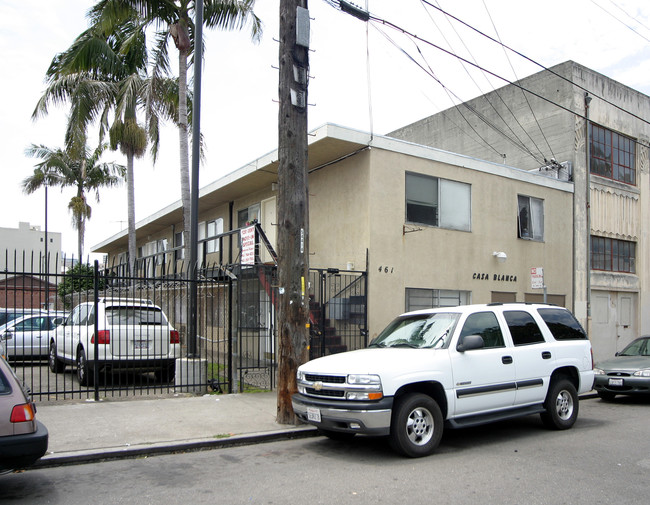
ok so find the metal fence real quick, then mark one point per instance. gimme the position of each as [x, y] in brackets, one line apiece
[236, 346]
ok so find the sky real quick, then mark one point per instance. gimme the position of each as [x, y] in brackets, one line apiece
[363, 76]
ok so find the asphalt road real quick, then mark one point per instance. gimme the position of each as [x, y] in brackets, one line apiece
[604, 459]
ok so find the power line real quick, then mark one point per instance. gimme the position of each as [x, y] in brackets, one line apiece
[619, 20]
[486, 97]
[539, 65]
[524, 94]
[376, 19]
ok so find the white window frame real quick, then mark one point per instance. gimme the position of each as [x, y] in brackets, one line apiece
[451, 204]
[434, 298]
[212, 229]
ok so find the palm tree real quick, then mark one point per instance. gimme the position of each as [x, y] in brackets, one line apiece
[74, 166]
[174, 20]
[104, 71]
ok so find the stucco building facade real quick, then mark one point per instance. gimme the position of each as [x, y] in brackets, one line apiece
[430, 227]
[598, 130]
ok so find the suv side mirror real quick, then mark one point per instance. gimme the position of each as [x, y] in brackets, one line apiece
[470, 342]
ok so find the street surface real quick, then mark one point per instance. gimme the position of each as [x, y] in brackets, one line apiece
[604, 459]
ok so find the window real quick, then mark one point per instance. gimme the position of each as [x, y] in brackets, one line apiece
[438, 202]
[417, 298]
[530, 218]
[612, 155]
[613, 255]
[486, 325]
[523, 328]
[179, 252]
[134, 316]
[83, 315]
[247, 216]
[213, 228]
[562, 324]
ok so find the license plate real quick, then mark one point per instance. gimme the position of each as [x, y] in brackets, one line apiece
[615, 382]
[141, 344]
[313, 414]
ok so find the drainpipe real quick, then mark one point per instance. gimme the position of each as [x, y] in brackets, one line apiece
[588, 209]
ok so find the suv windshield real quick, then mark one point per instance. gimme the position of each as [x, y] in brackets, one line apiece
[418, 331]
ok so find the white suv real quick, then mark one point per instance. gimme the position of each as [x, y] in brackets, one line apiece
[131, 334]
[455, 366]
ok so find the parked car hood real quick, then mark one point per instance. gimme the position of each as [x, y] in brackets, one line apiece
[625, 363]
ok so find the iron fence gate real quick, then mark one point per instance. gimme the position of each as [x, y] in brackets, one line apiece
[337, 311]
[236, 342]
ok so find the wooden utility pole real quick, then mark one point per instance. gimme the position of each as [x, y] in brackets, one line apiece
[293, 204]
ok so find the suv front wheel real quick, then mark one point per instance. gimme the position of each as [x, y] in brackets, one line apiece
[561, 405]
[416, 427]
[55, 364]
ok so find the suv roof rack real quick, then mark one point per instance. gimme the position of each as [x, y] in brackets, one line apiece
[110, 299]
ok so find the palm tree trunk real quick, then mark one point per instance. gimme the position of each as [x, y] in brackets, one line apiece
[80, 237]
[130, 204]
[183, 147]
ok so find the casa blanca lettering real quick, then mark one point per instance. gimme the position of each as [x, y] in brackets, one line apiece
[478, 276]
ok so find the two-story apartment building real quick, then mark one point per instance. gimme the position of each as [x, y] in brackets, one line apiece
[430, 227]
[599, 130]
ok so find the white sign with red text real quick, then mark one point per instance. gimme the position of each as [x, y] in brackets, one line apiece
[248, 246]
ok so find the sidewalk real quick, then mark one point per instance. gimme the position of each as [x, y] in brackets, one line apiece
[88, 431]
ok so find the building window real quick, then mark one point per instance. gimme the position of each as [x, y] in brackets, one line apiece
[612, 155]
[613, 255]
[417, 298]
[179, 251]
[246, 216]
[213, 229]
[438, 202]
[530, 218]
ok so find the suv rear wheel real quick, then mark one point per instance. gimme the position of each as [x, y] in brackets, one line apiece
[416, 427]
[561, 405]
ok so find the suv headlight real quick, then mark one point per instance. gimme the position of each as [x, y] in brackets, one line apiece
[364, 379]
[366, 387]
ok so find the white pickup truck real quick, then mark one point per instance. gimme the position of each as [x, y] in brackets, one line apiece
[455, 366]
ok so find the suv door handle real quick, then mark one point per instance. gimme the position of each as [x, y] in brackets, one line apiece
[546, 355]
[506, 360]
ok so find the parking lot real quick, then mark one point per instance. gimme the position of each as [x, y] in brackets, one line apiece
[48, 386]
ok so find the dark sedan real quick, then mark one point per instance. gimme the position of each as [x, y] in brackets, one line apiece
[628, 373]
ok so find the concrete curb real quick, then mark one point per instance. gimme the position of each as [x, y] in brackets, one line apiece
[144, 450]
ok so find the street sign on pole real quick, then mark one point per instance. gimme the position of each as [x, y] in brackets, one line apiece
[537, 277]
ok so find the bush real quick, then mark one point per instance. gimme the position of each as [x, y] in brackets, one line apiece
[79, 278]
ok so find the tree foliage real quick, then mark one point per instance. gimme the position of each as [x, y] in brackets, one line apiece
[78, 279]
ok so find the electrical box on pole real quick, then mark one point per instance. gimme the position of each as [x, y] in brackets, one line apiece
[293, 204]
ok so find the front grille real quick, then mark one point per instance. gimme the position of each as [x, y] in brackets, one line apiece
[618, 374]
[331, 394]
[329, 379]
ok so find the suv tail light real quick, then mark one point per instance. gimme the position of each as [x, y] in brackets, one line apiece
[103, 337]
[22, 413]
[174, 337]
